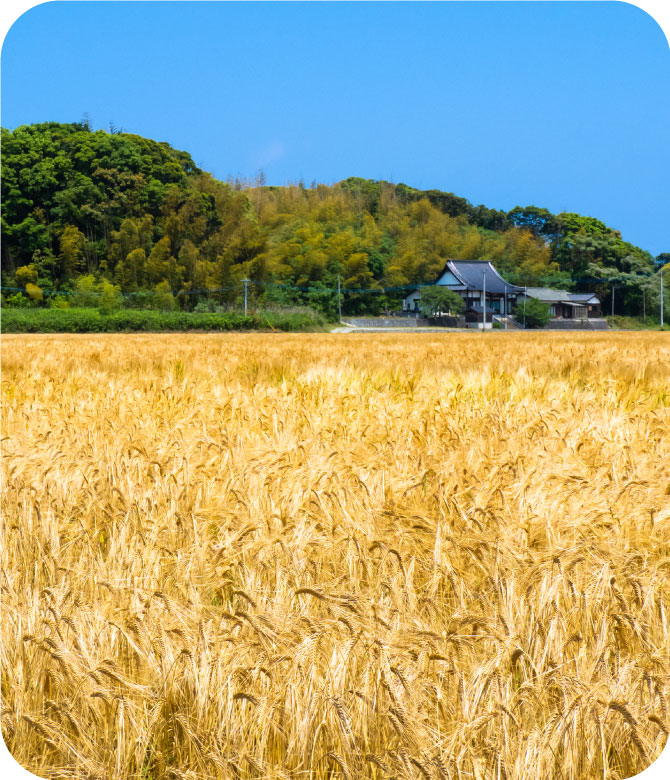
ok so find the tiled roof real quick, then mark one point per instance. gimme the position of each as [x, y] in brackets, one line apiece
[478, 309]
[547, 294]
[558, 296]
[584, 297]
[471, 273]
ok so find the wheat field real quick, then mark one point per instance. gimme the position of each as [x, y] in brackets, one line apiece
[336, 556]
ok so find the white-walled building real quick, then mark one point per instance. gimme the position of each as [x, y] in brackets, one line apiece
[566, 305]
[471, 279]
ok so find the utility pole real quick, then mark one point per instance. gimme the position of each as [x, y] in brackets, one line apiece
[525, 299]
[661, 299]
[612, 300]
[245, 296]
[484, 296]
[339, 298]
[505, 306]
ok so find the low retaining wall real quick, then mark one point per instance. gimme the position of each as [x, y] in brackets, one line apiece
[383, 322]
[594, 324]
[445, 322]
[459, 322]
[405, 322]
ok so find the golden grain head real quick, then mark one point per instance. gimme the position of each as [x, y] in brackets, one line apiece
[319, 556]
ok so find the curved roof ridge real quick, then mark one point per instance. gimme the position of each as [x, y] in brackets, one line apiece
[495, 271]
[468, 271]
[454, 271]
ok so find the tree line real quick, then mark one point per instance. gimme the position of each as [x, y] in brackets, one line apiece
[128, 221]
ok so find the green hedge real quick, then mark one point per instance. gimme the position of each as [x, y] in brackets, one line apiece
[92, 321]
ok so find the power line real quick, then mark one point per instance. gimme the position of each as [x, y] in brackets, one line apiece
[339, 298]
[321, 288]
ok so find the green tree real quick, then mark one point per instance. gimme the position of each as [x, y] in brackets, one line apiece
[539, 221]
[438, 299]
[158, 262]
[48, 267]
[130, 273]
[324, 300]
[532, 312]
[110, 298]
[72, 243]
[163, 298]
[26, 274]
[188, 258]
[85, 292]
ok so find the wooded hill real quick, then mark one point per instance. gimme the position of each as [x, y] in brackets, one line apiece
[139, 215]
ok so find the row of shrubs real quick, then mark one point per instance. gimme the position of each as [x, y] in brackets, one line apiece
[127, 320]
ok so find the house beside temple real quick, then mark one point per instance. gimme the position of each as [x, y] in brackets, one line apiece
[486, 294]
[566, 305]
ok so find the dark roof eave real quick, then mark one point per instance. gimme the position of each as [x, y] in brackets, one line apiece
[452, 265]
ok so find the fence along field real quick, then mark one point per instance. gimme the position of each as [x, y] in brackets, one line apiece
[271, 556]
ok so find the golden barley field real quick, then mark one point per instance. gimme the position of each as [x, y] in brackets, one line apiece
[336, 556]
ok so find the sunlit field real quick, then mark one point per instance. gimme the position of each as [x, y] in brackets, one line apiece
[336, 556]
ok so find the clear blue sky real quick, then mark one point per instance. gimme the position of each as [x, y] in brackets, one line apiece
[562, 105]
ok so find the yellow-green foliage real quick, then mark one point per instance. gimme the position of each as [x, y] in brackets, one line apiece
[313, 231]
[316, 556]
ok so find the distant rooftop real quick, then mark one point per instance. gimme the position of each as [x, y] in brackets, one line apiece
[558, 296]
[583, 296]
[547, 294]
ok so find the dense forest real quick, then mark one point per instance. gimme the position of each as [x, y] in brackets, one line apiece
[115, 217]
